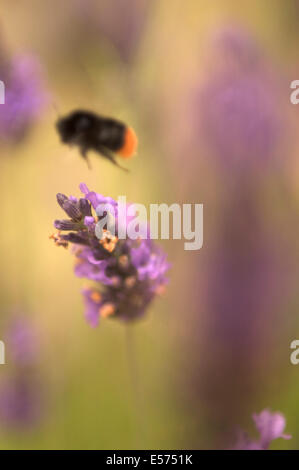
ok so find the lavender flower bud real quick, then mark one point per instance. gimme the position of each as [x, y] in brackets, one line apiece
[72, 210]
[66, 225]
[75, 238]
[61, 199]
[84, 206]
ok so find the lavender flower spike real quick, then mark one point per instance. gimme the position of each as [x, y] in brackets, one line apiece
[25, 97]
[270, 426]
[22, 398]
[127, 274]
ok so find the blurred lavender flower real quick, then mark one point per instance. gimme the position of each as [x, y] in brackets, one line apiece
[234, 48]
[248, 272]
[23, 342]
[20, 403]
[237, 109]
[25, 96]
[249, 277]
[128, 274]
[121, 22]
[239, 119]
[21, 394]
[270, 426]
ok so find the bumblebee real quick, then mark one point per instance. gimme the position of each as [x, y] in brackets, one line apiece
[104, 135]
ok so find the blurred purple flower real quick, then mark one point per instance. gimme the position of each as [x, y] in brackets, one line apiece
[128, 273]
[249, 276]
[270, 427]
[20, 403]
[234, 47]
[23, 342]
[25, 97]
[21, 391]
[121, 22]
[240, 120]
[237, 109]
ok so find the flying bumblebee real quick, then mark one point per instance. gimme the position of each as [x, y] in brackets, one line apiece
[106, 136]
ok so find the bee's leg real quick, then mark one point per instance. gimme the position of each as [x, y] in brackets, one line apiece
[84, 155]
[105, 152]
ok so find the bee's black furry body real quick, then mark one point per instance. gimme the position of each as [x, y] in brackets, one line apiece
[89, 131]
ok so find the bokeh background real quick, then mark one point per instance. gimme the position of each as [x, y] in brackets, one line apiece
[206, 86]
